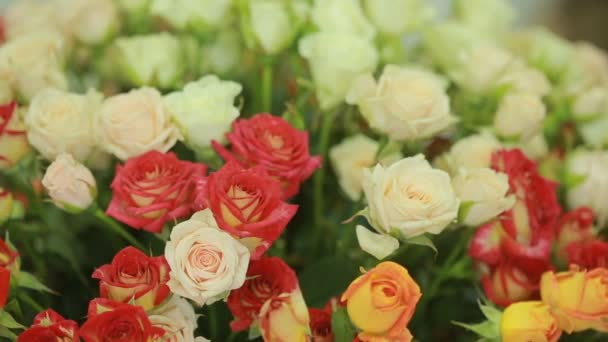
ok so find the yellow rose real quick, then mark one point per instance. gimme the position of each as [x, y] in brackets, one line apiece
[382, 301]
[285, 318]
[529, 321]
[578, 299]
[13, 139]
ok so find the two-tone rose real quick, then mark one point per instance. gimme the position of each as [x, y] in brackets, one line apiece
[13, 140]
[50, 326]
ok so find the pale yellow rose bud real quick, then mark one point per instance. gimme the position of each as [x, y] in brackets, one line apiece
[519, 116]
[474, 151]
[70, 184]
[199, 14]
[342, 16]
[589, 168]
[13, 139]
[396, 17]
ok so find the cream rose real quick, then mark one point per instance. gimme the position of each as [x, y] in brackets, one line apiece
[182, 14]
[590, 110]
[27, 16]
[479, 67]
[483, 195]
[474, 151]
[587, 171]
[335, 60]
[396, 17]
[523, 79]
[90, 22]
[519, 116]
[223, 55]
[409, 198]
[204, 110]
[535, 147]
[206, 262]
[544, 50]
[178, 319]
[405, 103]
[70, 184]
[474, 13]
[61, 122]
[342, 16]
[350, 157]
[134, 123]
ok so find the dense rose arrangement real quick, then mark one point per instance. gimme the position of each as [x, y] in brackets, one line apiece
[299, 170]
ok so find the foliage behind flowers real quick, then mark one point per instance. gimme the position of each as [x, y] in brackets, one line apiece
[299, 170]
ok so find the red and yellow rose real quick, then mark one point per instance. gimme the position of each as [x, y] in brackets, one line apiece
[529, 321]
[13, 140]
[51, 326]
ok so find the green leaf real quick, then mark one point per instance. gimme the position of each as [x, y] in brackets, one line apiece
[572, 180]
[7, 321]
[254, 332]
[492, 314]
[327, 278]
[464, 209]
[485, 329]
[422, 240]
[5, 332]
[343, 329]
[29, 281]
[294, 117]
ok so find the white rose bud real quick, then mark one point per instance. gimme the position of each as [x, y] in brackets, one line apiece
[204, 110]
[206, 262]
[519, 116]
[89, 21]
[544, 50]
[61, 122]
[474, 151]
[396, 17]
[336, 60]
[447, 41]
[483, 195]
[590, 110]
[200, 14]
[587, 173]
[70, 184]
[587, 69]
[524, 79]
[474, 13]
[223, 55]
[153, 59]
[27, 16]
[350, 157]
[409, 198]
[134, 123]
[342, 16]
[177, 318]
[480, 67]
[535, 147]
[405, 103]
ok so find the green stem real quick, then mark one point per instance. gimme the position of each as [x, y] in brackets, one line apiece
[117, 228]
[213, 324]
[30, 301]
[267, 86]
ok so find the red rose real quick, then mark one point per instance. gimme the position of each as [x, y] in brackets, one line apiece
[589, 255]
[272, 143]
[247, 204]
[574, 227]
[134, 277]
[266, 278]
[50, 326]
[506, 284]
[5, 285]
[111, 321]
[154, 188]
[13, 139]
[320, 325]
[9, 258]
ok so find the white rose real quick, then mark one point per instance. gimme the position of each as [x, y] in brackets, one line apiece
[34, 61]
[342, 16]
[519, 116]
[544, 50]
[588, 170]
[483, 195]
[134, 123]
[474, 13]
[446, 42]
[204, 110]
[405, 103]
[70, 184]
[206, 262]
[89, 21]
[396, 17]
[350, 157]
[590, 110]
[27, 16]
[524, 79]
[336, 60]
[480, 67]
[274, 23]
[223, 55]
[535, 147]
[61, 122]
[177, 318]
[153, 59]
[409, 198]
[587, 69]
[183, 14]
[474, 151]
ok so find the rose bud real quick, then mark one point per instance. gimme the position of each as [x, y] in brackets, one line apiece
[9, 258]
[70, 184]
[5, 285]
[507, 284]
[178, 319]
[247, 204]
[111, 321]
[154, 188]
[50, 326]
[529, 321]
[134, 278]
[578, 299]
[206, 263]
[574, 227]
[6, 205]
[320, 325]
[274, 144]
[485, 244]
[266, 278]
[589, 255]
[13, 140]
[382, 301]
[285, 318]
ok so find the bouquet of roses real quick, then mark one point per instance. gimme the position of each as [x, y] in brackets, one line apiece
[299, 170]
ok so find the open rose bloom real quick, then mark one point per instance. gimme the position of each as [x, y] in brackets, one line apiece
[302, 171]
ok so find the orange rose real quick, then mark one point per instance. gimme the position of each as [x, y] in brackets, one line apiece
[529, 321]
[578, 299]
[381, 303]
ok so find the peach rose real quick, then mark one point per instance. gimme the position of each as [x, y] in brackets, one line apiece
[382, 301]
